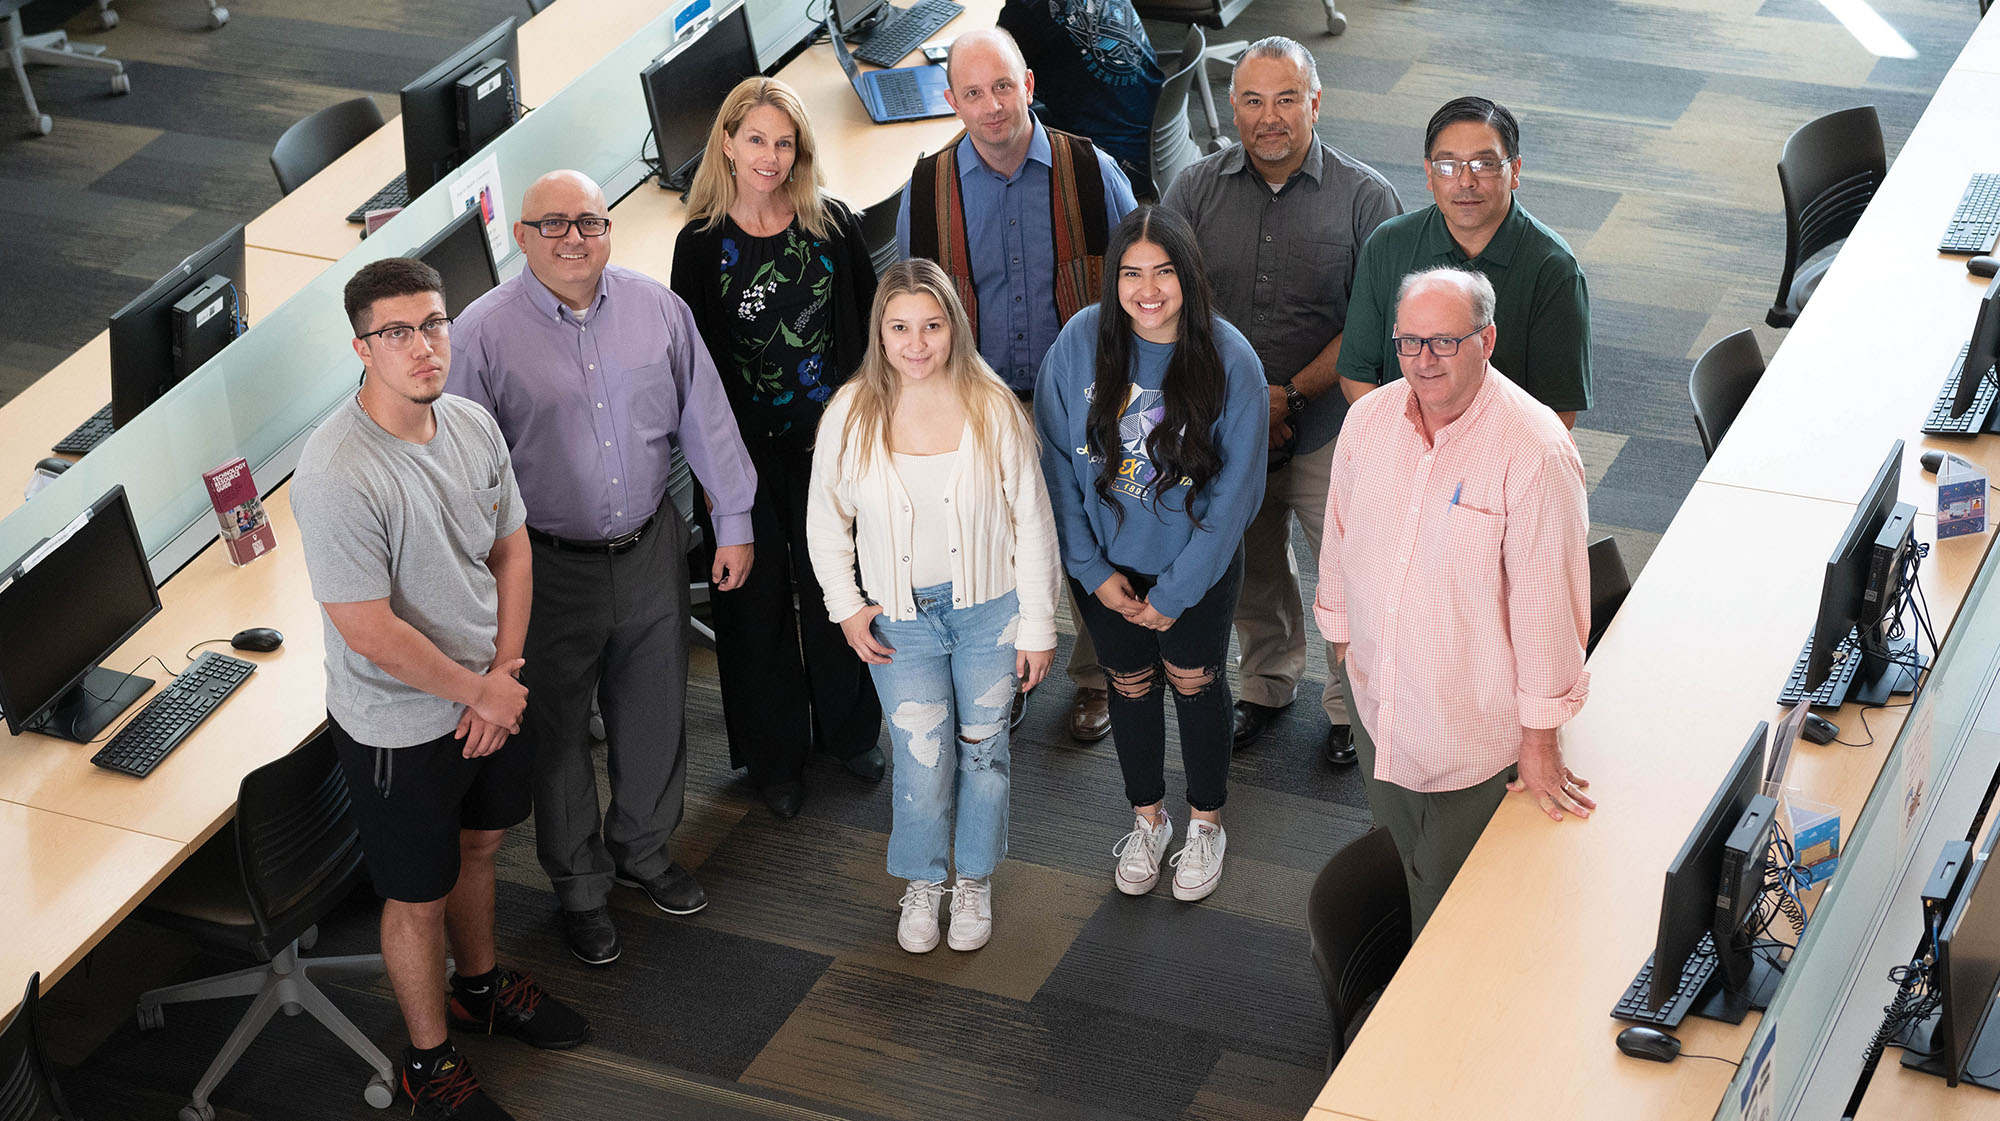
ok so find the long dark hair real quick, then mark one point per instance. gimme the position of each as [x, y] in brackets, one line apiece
[1181, 445]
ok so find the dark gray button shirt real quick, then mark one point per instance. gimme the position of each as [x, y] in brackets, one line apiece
[1282, 263]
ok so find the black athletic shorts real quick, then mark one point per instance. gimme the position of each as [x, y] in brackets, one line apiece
[411, 802]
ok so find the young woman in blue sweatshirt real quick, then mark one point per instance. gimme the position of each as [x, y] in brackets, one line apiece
[1153, 413]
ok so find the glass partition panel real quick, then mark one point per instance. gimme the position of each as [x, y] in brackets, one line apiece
[264, 390]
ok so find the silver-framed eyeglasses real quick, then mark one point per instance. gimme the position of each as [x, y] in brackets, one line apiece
[1480, 169]
[401, 335]
[1443, 346]
[553, 228]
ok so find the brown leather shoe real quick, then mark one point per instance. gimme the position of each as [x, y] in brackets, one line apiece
[1090, 715]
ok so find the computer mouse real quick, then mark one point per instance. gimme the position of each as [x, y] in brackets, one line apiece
[261, 639]
[1642, 1042]
[1932, 461]
[53, 465]
[1819, 729]
[1983, 265]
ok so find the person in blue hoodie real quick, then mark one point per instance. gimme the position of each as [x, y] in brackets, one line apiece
[1153, 414]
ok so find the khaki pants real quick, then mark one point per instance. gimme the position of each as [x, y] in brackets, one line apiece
[1083, 667]
[1271, 618]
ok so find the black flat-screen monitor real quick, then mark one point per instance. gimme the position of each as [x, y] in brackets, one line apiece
[1984, 353]
[851, 15]
[1966, 971]
[459, 106]
[463, 257]
[687, 85]
[1843, 597]
[65, 607]
[154, 344]
[1688, 901]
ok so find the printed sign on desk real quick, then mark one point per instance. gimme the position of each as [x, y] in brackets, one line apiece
[478, 185]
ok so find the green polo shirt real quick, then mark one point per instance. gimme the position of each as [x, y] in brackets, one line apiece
[1543, 311]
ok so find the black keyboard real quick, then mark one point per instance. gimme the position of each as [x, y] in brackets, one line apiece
[901, 95]
[899, 34]
[1977, 219]
[393, 194]
[173, 713]
[1694, 977]
[87, 435]
[1833, 691]
[1972, 421]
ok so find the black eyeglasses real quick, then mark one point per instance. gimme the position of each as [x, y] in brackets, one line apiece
[553, 228]
[1409, 346]
[400, 336]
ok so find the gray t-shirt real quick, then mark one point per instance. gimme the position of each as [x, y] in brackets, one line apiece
[381, 518]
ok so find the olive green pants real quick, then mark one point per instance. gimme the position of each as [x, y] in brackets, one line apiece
[1434, 833]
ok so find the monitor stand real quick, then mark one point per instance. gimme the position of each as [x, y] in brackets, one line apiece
[93, 704]
[1739, 988]
[1982, 1065]
[1881, 676]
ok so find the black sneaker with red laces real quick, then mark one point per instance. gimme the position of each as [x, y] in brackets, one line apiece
[508, 1003]
[448, 1091]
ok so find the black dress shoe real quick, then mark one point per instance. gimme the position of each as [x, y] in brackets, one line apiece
[1252, 720]
[673, 891]
[591, 936]
[785, 799]
[1340, 746]
[867, 766]
[1020, 710]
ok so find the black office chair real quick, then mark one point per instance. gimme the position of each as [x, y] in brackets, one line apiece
[1829, 171]
[1358, 917]
[28, 1090]
[1720, 383]
[1609, 583]
[260, 886]
[1173, 146]
[308, 147]
[535, 6]
[878, 230]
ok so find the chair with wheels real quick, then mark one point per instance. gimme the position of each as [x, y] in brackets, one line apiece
[1358, 917]
[309, 146]
[1721, 381]
[260, 886]
[1829, 171]
[28, 1090]
[50, 48]
[1609, 583]
[1216, 15]
[108, 19]
[1173, 146]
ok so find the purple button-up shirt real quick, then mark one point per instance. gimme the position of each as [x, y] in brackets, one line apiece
[592, 405]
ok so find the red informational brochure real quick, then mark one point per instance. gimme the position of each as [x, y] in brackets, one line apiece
[246, 529]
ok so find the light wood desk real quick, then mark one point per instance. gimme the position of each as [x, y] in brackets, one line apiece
[68, 883]
[80, 385]
[1502, 1007]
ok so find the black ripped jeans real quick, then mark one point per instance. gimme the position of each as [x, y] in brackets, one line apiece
[1135, 662]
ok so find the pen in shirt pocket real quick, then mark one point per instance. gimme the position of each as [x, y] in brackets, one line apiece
[1456, 491]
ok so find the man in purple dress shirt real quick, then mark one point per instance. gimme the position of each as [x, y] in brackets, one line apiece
[595, 374]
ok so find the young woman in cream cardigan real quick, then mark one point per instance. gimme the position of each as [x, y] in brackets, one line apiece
[926, 485]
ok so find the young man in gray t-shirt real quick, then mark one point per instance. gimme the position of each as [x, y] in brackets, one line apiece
[412, 526]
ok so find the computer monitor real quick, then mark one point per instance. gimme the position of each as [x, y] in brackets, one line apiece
[1966, 971]
[463, 257]
[852, 15]
[687, 85]
[1984, 352]
[1860, 592]
[65, 606]
[1690, 903]
[459, 106]
[180, 322]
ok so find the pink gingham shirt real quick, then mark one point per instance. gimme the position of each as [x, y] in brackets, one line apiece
[1455, 569]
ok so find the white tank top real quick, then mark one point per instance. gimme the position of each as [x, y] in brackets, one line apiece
[927, 478]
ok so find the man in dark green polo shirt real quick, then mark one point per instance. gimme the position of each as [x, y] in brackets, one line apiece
[1472, 165]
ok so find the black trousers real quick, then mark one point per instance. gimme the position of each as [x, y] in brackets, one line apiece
[1198, 640]
[790, 683]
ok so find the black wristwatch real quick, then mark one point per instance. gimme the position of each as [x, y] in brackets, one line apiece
[1295, 402]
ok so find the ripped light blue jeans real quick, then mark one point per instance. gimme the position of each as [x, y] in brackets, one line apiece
[947, 691]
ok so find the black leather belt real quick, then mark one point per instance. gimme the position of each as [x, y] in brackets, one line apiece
[624, 542]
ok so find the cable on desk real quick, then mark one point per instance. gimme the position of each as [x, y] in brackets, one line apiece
[189, 654]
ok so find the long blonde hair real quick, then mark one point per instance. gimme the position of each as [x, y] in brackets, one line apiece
[714, 189]
[873, 390]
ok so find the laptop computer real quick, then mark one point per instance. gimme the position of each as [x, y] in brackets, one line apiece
[907, 93]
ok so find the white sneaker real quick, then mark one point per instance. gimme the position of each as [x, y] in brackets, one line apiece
[1198, 866]
[1139, 853]
[971, 913]
[917, 930]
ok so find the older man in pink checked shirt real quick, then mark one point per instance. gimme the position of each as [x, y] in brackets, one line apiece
[1455, 586]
